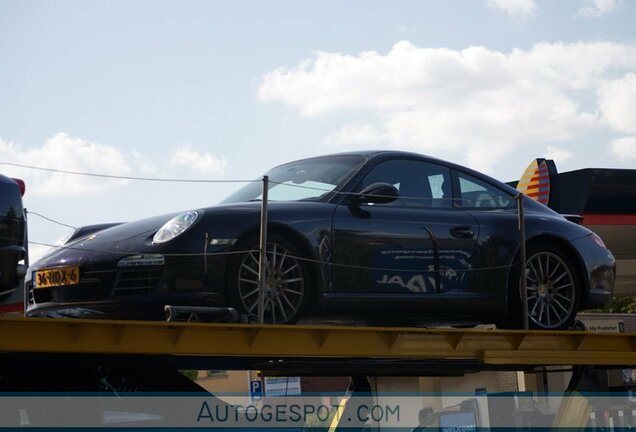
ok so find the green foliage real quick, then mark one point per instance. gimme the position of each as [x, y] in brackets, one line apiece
[315, 424]
[619, 304]
[192, 374]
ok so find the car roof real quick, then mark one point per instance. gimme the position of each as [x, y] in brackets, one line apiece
[373, 154]
[388, 154]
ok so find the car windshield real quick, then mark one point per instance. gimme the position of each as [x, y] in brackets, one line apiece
[305, 180]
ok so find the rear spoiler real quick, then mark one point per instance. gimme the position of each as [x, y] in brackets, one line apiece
[588, 196]
[577, 219]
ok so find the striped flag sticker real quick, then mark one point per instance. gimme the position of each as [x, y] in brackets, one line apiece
[535, 181]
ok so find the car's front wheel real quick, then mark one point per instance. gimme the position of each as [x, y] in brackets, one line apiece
[552, 287]
[285, 293]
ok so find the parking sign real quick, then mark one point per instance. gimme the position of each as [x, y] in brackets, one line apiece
[256, 390]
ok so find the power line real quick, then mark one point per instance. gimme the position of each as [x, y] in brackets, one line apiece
[49, 219]
[178, 180]
[117, 177]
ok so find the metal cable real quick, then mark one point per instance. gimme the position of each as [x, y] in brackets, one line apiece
[49, 219]
[178, 180]
[352, 266]
[414, 198]
[252, 251]
[124, 252]
[118, 177]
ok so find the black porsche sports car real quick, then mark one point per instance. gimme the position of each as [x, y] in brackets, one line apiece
[384, 234]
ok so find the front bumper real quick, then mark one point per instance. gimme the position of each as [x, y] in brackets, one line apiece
[143, 307]
[137, 292]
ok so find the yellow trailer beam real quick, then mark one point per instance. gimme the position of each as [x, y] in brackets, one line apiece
[493, 347]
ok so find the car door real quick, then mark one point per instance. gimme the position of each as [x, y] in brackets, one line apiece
[396, 248]
[495, 211]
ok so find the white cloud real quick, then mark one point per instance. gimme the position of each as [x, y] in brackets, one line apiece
[476, 102]
[515, 8]
[624, 148]
[68, 153]
[200, 162]
[143, 166]
[64, 152]
[356, 135]
[618, 103]
[598, 8]
[558, 154]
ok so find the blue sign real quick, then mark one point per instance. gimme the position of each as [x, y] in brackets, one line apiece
[256, 390]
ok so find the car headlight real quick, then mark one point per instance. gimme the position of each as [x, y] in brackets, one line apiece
[175, 227]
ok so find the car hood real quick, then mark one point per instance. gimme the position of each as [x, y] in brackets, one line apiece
[127, 232]
[143, 230]
[116, 241]
[228, 221]
[132, 237]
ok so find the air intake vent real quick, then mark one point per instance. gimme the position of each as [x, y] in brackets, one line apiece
[137, 281]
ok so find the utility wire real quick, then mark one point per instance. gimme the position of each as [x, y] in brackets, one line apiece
[178, 180]
[49, 219]
[167, 180]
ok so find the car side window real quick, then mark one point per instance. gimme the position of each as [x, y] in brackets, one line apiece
[475, 193]
[421, 184]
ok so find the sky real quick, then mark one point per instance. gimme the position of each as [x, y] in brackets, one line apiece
[225, 90]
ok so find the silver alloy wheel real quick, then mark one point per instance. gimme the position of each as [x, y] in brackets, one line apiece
[551, 290]
[284, 284]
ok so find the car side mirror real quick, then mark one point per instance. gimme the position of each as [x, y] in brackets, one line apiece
[377, 193]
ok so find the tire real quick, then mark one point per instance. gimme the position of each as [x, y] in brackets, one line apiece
[553, 287]
[287, 281]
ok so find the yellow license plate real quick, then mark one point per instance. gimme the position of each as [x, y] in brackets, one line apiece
[56, 277]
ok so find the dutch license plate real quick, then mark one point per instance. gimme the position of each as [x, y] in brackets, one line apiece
[56, 277]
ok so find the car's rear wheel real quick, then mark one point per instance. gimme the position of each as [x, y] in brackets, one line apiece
[552, 287]
[286, 281]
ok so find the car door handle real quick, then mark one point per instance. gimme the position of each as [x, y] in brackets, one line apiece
[462, 232]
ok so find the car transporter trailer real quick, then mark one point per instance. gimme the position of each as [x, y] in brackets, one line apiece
[75, 355]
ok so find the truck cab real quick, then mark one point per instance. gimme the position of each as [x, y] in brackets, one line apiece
[13, 248]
